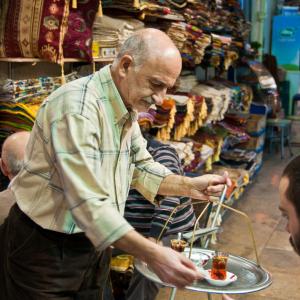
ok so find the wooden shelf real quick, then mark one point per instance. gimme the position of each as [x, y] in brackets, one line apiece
[35, 60]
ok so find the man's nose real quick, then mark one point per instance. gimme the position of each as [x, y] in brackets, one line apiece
[159, 97]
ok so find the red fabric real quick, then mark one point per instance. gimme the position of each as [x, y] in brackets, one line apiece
[33, 28]
[78, 39]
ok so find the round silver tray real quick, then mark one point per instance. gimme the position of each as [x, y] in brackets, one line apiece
[250, 276]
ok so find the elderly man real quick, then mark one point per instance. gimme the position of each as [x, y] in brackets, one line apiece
[11, 162]
[84, 152]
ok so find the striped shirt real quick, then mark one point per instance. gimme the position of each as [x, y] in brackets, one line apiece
[148, 219]
[84, 150]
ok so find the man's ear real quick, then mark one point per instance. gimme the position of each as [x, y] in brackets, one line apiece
[126, 62]
[3, 168]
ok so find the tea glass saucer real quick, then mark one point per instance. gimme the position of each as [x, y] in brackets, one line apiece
[230, 278]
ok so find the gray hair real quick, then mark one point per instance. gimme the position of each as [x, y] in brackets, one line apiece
[14, 164]
[136, 46]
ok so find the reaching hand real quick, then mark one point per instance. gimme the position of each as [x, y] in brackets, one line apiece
[173, 268]
[208, 187]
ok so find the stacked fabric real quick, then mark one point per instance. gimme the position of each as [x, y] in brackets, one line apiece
[164, 118]
[177, 33]
[235, 125]
[184, 151]
[127, 5]
[16, 117]
[109, 33]
[202, 153]
[196, 43]
[213, 138]
[183, 117]
[20, 100]
[47, 29]
[186, 83]
[224, 16]
[199, 14]
[200, 114]
[31, 91]
[217, 100]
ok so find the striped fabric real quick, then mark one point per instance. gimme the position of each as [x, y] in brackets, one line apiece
[84, 149]
[149, 219]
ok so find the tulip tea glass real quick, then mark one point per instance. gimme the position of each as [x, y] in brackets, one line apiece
[219, 265]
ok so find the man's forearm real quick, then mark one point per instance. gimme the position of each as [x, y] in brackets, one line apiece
[176, 185]
[138, 246]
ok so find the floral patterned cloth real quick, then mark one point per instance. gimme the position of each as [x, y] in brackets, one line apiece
[78, 39]
[32, 28]
[46, 29]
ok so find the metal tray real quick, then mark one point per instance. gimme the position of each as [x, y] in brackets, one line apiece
[250, 276]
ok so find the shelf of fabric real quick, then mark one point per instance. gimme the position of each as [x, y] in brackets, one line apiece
[35, 60]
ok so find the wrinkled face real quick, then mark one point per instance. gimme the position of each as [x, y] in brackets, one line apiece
[147, 84]
[289, 212]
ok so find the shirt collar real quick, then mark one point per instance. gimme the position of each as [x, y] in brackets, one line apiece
[121, 113]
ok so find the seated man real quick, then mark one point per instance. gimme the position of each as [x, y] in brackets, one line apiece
[11, 162]
[149, 220]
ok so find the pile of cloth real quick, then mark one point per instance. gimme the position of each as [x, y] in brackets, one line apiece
[217, 100]
[195, 46]
[179, 116]
[235, 125]
[164, 118]
[33, 90]
[20, 101]
[214, 138]
[218, 16]
[184, 151]
[16, 117]
[109, 33]
[202, 153]
[183, 117]
[192, 154]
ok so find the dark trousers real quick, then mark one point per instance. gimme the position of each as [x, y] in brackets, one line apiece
[39, 264]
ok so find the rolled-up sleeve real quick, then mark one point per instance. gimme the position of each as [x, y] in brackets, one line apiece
[148, 174]
[77, 151]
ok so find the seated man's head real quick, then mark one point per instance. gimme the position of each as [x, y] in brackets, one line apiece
[289, 190]
[13, 150]
[147, 65]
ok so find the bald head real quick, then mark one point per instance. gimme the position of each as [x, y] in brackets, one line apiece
[147, 65]
[148, 44]
[13, 151]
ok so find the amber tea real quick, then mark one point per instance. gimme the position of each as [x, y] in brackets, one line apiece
[178, 245]
[219, 265]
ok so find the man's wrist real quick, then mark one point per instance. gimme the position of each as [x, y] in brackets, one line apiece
[187, 185]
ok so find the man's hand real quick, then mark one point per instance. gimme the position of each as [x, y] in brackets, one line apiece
[173, 267]
[207, 187]
[152, 239]
[170, 266]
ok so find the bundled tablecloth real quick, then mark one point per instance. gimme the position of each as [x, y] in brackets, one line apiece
[33, 90]
[16, 117]
[217, 99]
[109, 33]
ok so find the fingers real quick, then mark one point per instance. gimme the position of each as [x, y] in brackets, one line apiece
[215, 190]
[176, 269]
[228, 180]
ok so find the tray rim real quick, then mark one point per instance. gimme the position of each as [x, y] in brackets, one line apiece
[211, 289]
